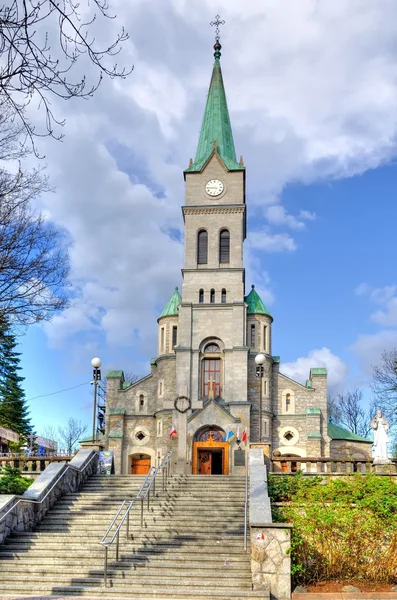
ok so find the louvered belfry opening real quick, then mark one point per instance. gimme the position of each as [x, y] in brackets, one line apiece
[202, 247]
[201, 296]
[224, 246]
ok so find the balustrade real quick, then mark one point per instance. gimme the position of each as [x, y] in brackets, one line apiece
[328, 466]
[31, 465]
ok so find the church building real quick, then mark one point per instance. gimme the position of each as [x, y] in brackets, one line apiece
[206, 397]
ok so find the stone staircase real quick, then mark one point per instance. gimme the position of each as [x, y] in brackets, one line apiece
[190, 547]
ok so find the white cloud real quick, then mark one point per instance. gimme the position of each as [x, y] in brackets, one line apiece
[322, 357]
[369, 348]
[268, 242]
[277, 215]
[386, 297]
[311, 95]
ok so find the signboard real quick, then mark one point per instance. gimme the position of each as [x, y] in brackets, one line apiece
[105, 463]
[239, 458]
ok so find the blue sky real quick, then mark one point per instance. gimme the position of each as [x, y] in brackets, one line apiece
[311, 88]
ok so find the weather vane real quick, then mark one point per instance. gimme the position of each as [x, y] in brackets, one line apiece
[216, 24]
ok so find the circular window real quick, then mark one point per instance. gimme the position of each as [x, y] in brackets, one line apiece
[140, 436]
[289, 436]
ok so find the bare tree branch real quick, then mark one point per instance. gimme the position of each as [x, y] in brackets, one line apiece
[33, 256]
[32, 67]
[71, 434]
[349, 412]
[384, 385]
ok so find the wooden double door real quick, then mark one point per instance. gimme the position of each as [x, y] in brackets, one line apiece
[140, 464]
[210, 458]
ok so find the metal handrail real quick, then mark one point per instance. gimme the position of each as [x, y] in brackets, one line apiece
[142, 495]
[246, 508]
[22, 499]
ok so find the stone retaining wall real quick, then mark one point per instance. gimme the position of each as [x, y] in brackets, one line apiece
[29, 509]
[270, 542]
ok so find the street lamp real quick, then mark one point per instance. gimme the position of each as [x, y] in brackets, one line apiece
[96, 363]
[260, 360]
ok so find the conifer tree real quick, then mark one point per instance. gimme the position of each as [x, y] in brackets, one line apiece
[14, 413]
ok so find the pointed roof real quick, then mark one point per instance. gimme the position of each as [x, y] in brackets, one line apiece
[171, 308]
[255, 304]
[216, 131]
[339, 433]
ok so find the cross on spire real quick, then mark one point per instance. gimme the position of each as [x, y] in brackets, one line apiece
[216, 24]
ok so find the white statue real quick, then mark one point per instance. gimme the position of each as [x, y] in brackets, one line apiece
[380, 425]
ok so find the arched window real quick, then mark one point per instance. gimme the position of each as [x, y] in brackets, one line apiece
[224, 246]
[223, 296]
[210, 348]
[202, 247]
[201, 296]
[212, 296]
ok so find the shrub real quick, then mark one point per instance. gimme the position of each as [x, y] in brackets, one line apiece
[343, 528]
[12, 482]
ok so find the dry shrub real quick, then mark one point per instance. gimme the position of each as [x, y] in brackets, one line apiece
[343, 529]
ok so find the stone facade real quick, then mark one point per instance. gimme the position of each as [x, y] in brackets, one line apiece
[209, 338]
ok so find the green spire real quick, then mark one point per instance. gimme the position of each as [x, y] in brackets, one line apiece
[171, 309]
[255, 304]
[216, 130]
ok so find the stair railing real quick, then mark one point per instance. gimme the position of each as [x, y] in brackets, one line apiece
[62, 475]
[123, 514]
[246, 508]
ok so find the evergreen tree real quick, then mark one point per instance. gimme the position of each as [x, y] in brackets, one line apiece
[14, 413]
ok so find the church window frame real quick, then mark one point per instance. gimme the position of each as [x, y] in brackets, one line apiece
[160, 392]
[212, 296]
[159, 428]
[162, 340]
[265, 339]
[141, 401]
[201, 296]
[223, 296]
[202, 247]
[288, 402]
[224, 246]
[253, 335]
[174, 336]
[211, 367]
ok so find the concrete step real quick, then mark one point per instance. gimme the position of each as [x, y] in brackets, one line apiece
[99, 593]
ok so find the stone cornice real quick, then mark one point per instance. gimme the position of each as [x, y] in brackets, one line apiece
[214, 210]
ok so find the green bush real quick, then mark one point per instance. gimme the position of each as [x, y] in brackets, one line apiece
[343, 528]
[12, 482]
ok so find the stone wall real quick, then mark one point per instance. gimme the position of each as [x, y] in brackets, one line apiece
[270, 542]
[23, 513]
[351, 449]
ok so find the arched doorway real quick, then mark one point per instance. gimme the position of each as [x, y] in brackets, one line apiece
[210, 452]
[139, 464]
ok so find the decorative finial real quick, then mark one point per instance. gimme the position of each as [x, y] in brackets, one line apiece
[241, 161]
[217, 46]
[252, 286]
[176, 288]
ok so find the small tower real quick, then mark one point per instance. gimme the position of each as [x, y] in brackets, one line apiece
[168, 325]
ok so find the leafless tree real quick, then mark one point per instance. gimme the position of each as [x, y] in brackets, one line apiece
[384, 385]
[71, 434]
[41, 44]
[33, 254]
[333, 409]
[349, 412]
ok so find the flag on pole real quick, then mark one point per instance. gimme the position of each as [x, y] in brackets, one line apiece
[173, 432]
[244, 436]
[228, 435]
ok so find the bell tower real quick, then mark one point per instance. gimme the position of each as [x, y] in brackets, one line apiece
[212, 311]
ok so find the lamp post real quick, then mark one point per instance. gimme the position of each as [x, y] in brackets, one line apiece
[260, 361]
[96, 363]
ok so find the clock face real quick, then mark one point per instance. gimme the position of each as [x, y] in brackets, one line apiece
[214, 187]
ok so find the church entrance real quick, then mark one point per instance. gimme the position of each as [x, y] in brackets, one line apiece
[210, 453]
[140, 464]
